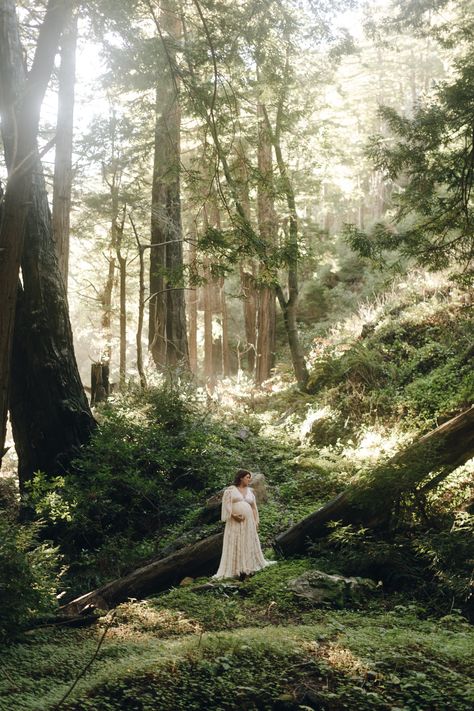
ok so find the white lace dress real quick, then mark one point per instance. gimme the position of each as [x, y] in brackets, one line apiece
[241, 550]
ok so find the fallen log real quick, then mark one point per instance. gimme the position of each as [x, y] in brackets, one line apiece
[201, 558]
[371, 500]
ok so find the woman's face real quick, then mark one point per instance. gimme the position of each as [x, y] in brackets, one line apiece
[245, 481]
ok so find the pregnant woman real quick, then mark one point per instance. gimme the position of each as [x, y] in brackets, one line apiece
[241, 550]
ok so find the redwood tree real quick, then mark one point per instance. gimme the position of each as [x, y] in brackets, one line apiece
[49, 411]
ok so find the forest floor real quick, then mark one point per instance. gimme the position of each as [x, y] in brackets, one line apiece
[221, 650]
[255, 644]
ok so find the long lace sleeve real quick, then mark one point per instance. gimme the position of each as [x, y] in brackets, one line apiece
[255, 509]
[226, 510]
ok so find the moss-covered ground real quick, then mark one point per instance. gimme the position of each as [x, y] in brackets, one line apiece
[247, 646]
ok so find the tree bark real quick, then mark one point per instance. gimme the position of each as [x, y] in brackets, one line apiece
[198, 559]
[167, 323]
[371, 502]
[20, 105]
[50, 415]
[62, 183]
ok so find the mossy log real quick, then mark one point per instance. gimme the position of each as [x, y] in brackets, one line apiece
[200, 558]
[372, 500]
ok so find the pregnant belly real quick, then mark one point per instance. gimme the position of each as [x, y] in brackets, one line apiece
[242, 508]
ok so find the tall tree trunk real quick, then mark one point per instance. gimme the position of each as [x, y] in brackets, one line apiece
[249, 294]
[167, 324]
[225, 329]
[141, 306]
[106, 303]
[193, 313]
[289, 305]
[267, 223]
[208, 342]
[63, 156]
[49, 411]
[117, 231]
[123, 315]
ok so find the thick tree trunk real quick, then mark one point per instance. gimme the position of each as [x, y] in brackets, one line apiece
[63, 154]
[201, 558]
[372, 501]
[20, 105]
[167, 324]
[50, 415]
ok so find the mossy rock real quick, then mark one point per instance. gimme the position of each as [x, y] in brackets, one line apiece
[322, 589]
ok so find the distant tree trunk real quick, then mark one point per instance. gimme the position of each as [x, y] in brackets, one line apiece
[123, 316]
[106, 304]
[49, 411]
[122, 263]
[193, 314]
[141, 305]
[372, 502]
[99, 382]
[267, 222]
[208, 349]
[249, 294]
[63, 154]
[167, 324]
[225, 329]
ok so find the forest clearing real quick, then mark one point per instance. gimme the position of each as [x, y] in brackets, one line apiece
[236, 259]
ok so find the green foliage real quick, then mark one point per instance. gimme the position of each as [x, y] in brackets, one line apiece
[433, 150]
[152, 459]
[434, 565]
[415, 365]
[29, 575]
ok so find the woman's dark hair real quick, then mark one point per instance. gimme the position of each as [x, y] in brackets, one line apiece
[240, 475]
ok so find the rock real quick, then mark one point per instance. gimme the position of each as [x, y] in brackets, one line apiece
[323, 589]
[259, 486]
[186, 581]
[243, 434]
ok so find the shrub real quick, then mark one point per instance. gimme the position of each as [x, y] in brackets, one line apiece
[146, 464]
[29, 575]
